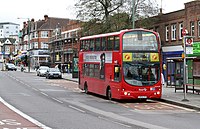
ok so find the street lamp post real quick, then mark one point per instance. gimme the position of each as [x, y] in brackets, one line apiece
[28, 50]
[133, 13]
[3, 63]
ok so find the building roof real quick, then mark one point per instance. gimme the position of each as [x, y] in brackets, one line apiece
[5, 23]
[51, 23]
[3, 40]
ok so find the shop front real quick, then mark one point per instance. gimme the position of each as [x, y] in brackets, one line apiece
[194, 68]
[172, 58]
[39, 58]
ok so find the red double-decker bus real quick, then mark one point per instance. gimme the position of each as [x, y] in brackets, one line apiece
[121, 65]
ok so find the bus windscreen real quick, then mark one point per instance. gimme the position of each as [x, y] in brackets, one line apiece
[141, 74]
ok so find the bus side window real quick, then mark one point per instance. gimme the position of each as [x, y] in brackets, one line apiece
[87, 44]
[98, 44]
[82, 45]
[116, 73]
[116, 43]
[92, 45]
[103, 44]
[86, 69]
[110, 43]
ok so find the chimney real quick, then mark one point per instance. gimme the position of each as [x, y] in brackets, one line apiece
[160, 13]
[45, 18]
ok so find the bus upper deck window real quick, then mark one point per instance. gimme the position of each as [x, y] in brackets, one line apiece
[92, 45]
[116, 43]
[103, 44]
[83, 45]
[98, 44]
[110, 43]
[139, 35]
[87, 44]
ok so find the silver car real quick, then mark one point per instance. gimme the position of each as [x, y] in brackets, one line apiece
[53, 73]
[10, 66]
[42, 70]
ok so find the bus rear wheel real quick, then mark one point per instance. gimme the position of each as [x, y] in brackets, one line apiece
[109, 93]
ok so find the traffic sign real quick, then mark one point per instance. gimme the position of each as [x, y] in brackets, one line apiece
[188, 41]
[184, 32]
[189, 50]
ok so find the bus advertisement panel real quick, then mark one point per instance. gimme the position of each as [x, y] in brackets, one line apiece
[121, 65]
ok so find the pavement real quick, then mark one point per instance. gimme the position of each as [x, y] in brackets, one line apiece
[168, 94]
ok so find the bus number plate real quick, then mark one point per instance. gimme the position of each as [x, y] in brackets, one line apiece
[142, 97]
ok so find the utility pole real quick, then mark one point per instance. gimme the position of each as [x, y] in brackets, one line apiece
[133, 13]
[29, 59]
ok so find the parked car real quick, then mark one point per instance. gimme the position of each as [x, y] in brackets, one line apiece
[53, 73]
[10, 66]
[42, 70]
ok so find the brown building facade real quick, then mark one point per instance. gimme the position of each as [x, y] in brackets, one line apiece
[64, 43]
[170, 27]
[35, 38]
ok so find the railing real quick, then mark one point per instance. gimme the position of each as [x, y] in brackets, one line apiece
[56, 38]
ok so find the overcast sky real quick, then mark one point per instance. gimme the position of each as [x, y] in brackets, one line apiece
[10, 10]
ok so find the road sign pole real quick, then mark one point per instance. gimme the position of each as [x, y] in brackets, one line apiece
[184, 69]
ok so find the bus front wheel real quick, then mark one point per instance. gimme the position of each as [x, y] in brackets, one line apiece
[109, 93]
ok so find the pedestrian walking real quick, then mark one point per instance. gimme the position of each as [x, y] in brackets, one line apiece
[68, 67]
[59, 67]
[63, 68]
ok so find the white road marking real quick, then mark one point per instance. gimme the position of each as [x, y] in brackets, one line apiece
[44, 94]
[187, 109]
[114, 122]
[35, 89]
[115, 116]
[24, 115]
[76, 109]
[57, 100]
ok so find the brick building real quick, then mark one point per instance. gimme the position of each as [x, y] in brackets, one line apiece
[170, 27]
[35, 38]
[7, 48]
[63, 44]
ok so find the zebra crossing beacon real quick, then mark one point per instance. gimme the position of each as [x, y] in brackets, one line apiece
[121, 65]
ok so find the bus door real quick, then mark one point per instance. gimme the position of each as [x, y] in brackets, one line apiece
[115, 79]
[116, 73]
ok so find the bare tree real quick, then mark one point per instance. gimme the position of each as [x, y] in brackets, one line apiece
[100, 9]
[143, 8]
[106, 13]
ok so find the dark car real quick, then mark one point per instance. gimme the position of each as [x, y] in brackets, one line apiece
[10, 66]
[53, 73]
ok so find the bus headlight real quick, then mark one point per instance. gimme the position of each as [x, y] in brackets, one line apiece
[125, 93]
